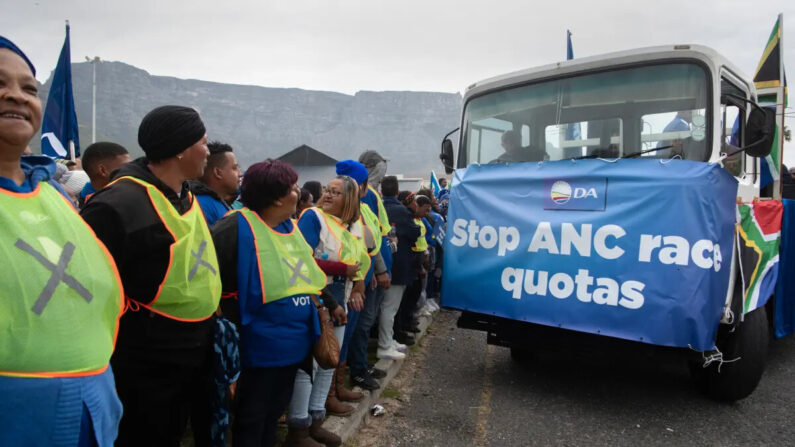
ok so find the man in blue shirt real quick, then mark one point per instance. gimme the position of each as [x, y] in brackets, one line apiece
[220, 184]
[99, 160]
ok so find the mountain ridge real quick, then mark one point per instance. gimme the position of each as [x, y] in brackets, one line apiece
[406, 127]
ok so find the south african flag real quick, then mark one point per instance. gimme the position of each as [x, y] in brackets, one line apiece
[758, 238]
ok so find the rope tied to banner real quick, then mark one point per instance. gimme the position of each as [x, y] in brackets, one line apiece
[665, 162]
[714, 356]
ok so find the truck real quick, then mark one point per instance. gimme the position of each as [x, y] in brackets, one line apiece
[617, 198]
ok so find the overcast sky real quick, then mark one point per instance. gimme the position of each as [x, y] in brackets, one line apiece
[351, 45]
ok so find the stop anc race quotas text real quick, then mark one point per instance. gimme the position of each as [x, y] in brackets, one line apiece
[604, 242]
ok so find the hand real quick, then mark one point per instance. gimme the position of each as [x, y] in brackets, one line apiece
[232, 391]
[356, 301]
[383, 280]
[339, 316]
[423, 273]
[352, 270]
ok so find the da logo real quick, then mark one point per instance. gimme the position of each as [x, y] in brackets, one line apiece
[560, 192]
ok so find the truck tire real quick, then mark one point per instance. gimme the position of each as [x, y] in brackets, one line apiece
[736, 380]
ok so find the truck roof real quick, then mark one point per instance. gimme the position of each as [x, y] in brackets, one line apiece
[591, 63]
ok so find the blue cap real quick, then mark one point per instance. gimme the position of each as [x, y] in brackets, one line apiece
[5, 43]
[352, 169]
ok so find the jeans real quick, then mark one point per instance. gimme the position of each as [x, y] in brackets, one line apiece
[357, 348]
[389, 307]
[309, 396]
[353, 318]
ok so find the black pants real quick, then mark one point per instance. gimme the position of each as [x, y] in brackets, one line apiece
[405, 314]
[159, 398]
[262, 396]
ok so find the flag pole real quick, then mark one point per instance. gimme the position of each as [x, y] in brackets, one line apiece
[71, 141]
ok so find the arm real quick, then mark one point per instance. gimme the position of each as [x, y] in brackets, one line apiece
[225, 238]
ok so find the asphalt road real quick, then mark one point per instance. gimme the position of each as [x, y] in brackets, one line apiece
[454, 390]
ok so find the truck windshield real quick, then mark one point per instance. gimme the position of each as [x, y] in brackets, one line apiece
[606, 114]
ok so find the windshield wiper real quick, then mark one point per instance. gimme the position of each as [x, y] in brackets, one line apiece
[635, 154]
[597, 153]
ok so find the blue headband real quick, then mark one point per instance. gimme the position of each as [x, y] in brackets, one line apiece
[5, 43]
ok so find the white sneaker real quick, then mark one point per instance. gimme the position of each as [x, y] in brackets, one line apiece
[400, 347]
[391, 353]
[432, 304]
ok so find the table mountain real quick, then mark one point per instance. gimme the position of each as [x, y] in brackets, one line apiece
[262, 122]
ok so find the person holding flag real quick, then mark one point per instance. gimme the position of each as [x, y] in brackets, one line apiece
[61, 295]
[59, 133]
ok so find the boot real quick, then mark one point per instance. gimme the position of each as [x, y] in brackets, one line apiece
[323, 436]
[299, 437]
[333, 405]
[345, 394]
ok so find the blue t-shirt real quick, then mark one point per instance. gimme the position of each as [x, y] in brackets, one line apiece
[429, 236]
[87, 190]
[278, 333]
[212, 208]
[43, 411]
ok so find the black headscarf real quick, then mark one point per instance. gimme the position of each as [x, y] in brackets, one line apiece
[168, 130]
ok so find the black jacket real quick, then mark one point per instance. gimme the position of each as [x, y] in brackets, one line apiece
[403, 270]
[123, 218]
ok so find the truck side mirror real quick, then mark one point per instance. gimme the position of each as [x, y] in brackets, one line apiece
[447, 155]
[760, 130]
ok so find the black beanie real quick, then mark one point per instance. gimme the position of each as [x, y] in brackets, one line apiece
[168, 130]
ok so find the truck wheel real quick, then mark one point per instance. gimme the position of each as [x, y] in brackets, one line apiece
[736, 380]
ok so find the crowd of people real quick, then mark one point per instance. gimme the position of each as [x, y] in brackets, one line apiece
[146, 296]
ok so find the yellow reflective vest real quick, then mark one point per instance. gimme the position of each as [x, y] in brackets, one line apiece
[286, 264]
[191, 288]
[61, 296]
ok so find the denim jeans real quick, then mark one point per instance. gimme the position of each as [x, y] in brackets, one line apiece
[309, 396]
[357, 348]
[353, 318]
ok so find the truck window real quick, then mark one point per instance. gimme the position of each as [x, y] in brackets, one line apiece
[733, 128]
[624, 109]
[598, 138]
[683, 130]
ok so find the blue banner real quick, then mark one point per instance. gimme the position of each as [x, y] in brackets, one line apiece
[59, 125]
[647, 256]
[785, 287]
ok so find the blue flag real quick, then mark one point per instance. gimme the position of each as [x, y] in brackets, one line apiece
[59, 126]
[435, 186]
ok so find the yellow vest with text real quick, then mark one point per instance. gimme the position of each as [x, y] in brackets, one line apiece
[61, 296]
[421, 245]
[191, 288]
[286, 265]
[341, 244]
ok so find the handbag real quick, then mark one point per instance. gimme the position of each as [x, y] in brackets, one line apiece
[327, 348]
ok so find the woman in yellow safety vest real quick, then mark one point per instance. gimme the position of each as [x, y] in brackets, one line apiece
[269, 277]
[336, 234]
[154, 228]
[60, 292]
